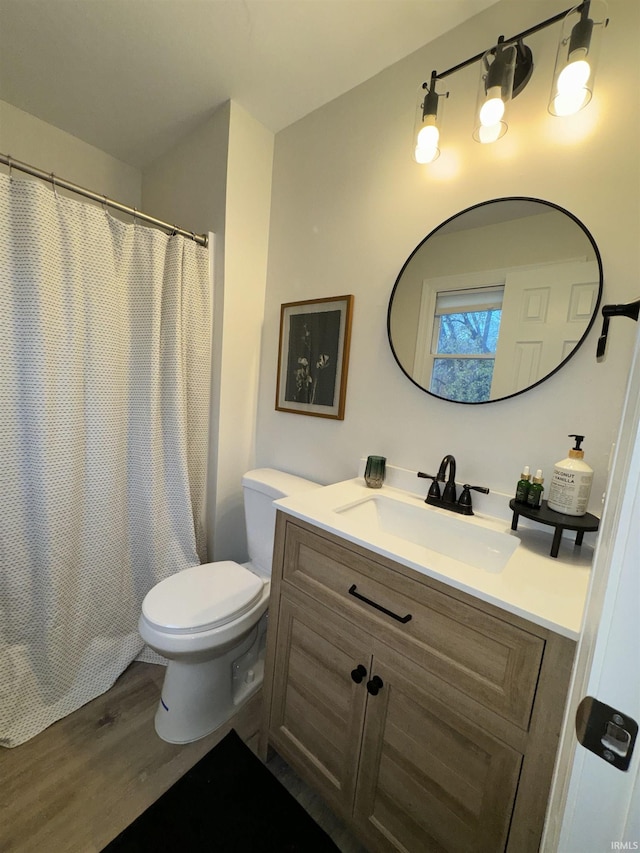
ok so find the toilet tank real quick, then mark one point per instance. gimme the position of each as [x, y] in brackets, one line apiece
[261, 487]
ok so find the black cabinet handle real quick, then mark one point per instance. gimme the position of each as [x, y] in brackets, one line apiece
[375, 685]
[403, 619]
[358, 673]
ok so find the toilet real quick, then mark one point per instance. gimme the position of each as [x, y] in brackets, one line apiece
[210, 621]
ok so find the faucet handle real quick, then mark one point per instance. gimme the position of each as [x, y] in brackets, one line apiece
[464, 500]
[434, 488]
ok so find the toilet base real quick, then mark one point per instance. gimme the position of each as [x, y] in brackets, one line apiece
[198, 697]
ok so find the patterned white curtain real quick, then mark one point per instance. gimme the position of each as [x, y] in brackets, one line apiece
[104, 412]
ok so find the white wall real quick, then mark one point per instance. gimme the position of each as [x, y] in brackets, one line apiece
[245, 278]
[44, 146]
[219, 179]
[349, 205]
[187, 185]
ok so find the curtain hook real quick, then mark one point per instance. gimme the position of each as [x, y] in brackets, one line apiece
[104, 203]
[10, 165]
[55, 187]
[135, 214]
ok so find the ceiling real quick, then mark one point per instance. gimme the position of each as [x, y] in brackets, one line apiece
[133, 76]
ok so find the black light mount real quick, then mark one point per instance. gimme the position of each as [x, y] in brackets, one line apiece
[582, 31]
[524, 67]
[430, 104]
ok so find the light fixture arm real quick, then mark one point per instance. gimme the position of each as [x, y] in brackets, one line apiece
[430, 106]
[515, 39]
[582, 31]
[495, 70]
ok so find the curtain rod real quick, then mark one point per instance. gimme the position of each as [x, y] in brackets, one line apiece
[201, 239]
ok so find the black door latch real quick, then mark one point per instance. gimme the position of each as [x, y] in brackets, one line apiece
[605, 731]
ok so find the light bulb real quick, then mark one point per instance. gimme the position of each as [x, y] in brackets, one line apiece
[568, 103]
[426, 150]
[493, 108]
[425, 155]
[428, 136]
[572, 93]
[575, 74]
[489, 132]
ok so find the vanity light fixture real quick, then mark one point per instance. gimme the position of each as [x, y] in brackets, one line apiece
[506, 69]
[576, 60]
[495, 91]
[427, 130]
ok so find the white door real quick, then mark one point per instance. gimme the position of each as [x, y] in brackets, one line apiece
[595, 807]
[544, 314]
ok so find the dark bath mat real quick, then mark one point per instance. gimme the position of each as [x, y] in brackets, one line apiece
[229, 802]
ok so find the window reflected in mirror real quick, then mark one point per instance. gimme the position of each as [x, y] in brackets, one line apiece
[465, 336]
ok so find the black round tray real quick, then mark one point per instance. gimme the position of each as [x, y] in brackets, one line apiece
[581, 523]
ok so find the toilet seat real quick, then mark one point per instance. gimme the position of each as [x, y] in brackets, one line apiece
[202, 597]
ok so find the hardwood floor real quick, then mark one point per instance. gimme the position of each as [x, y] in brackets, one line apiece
[79, 783]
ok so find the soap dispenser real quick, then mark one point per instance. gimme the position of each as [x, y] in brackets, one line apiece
[571, 482]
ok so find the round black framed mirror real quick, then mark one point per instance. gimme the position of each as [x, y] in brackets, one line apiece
[495, 300]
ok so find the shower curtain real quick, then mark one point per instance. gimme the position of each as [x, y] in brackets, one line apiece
[104, 412]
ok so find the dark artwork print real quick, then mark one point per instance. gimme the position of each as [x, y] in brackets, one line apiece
[312, 359]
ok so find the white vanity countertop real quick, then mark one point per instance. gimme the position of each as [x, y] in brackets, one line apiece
[548, 591]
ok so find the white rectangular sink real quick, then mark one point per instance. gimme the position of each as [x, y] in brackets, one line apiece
[456, 537]
[479, 555]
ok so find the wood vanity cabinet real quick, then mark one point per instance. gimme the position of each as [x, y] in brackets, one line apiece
[436, 732]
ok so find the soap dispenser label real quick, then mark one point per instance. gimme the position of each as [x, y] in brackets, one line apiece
[569, 491]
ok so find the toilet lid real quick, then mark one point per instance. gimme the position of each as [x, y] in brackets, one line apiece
[202, 597]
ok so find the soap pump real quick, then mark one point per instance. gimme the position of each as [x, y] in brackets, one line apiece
[571, 482]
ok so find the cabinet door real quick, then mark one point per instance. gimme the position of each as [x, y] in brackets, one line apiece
[317, 708]
[430, 779]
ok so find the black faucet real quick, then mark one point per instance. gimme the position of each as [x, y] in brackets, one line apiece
[448, 499]
[449, 493]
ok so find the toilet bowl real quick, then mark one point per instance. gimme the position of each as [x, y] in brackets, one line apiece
[210, 622]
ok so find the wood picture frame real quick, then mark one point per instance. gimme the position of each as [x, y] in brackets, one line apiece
[313, 356]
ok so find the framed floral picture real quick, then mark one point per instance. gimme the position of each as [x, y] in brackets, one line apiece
[313, 356]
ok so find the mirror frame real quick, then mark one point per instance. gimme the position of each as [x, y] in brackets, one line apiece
[550, 204]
